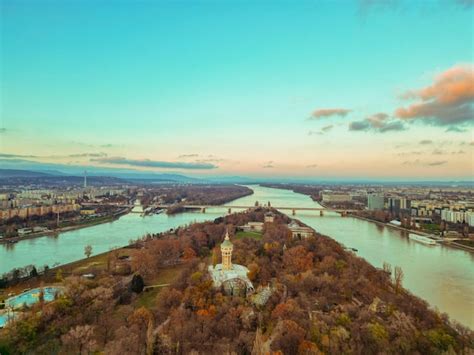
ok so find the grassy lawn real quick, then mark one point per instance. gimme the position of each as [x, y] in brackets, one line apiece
[430, 227]
[253, 235]
[165, 276]
[468, 242]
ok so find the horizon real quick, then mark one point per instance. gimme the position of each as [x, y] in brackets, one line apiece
[264, 90]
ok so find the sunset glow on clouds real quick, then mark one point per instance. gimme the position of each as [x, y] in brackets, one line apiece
[256, 89]
[448, 101]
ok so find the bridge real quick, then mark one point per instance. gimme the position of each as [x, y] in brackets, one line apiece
[229, 208]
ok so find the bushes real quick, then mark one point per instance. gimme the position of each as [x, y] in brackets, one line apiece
[137, 284]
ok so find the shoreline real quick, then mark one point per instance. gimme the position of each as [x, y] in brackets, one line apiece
[424, 234]
[106, 219]
[447, 243]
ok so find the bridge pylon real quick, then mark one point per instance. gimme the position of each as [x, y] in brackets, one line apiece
[229, 211]
[321, 213]
[203, 210]
[293, 211]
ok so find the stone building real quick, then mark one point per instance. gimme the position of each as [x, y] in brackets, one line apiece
[300, 232]
[232, 277]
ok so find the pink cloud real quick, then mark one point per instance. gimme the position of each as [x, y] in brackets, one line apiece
[447, 101]
[328, 112]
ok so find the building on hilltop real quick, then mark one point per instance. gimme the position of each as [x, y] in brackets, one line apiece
[232, 277]
[252, 227]
[269, 217]
[258, 226]
[299, 232]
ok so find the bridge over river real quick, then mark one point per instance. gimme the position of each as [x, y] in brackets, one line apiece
[229, 208]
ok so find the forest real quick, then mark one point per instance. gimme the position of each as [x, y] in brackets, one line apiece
[322, 300]
[198, 194]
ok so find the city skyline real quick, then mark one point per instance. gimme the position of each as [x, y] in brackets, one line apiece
[340, 90]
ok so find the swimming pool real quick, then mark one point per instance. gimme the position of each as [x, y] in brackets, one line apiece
[30, 297]
[6, 317]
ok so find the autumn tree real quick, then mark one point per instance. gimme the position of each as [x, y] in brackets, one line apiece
[288, 338]
[80, 339]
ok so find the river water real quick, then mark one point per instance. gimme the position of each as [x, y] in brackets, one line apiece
[443, 276]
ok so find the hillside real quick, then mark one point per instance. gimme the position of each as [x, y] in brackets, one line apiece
[15, 173]
[311, 297]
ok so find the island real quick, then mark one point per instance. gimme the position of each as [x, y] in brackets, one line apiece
[218, 287]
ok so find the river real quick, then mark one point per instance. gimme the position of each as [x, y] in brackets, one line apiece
[441, 275]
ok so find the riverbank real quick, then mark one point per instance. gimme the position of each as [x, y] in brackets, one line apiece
[447, 243]
[54, 275]
[89, 223]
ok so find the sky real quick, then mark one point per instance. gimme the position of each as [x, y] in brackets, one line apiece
[313, 89]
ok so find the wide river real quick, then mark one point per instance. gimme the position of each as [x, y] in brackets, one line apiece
[441, 275]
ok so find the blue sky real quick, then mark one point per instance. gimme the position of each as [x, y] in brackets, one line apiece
[232, 85]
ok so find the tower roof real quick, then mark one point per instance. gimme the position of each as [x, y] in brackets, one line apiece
[226, 242]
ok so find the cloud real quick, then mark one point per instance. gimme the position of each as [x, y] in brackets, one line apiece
[312, 166]
[210, 160]
[426, 141]
[438, 152]
[268, 165]
[327, 128]
[188, 156]
[79, 155]
[154, 163]
[329, 112]
[323, 130]
[437, 163]
[3, 130]
[392, 126]
[88, 155]
[359, 125]
[109, 145]
[467, 4]
[414, 152]
[448, 101]
[456, 129]
[419, 162]
[379, 122]
[5, 155]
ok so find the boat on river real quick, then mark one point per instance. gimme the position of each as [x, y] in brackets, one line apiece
[422, 239]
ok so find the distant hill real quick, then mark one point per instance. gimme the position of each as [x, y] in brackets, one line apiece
[158, 178]
[94, 177]
[14, 173]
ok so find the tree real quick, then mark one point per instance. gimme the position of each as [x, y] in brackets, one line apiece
[215, 257]
[289, 337]
[59, 275]
[88, 250]
[189, 254]
[143, 320]
[33, 272]
[80, 340]
[137, 283]
[398, 278]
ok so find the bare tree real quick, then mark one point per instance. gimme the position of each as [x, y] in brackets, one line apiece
[80, 339]
[387, 268]
[88, 250]
[398, 278]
